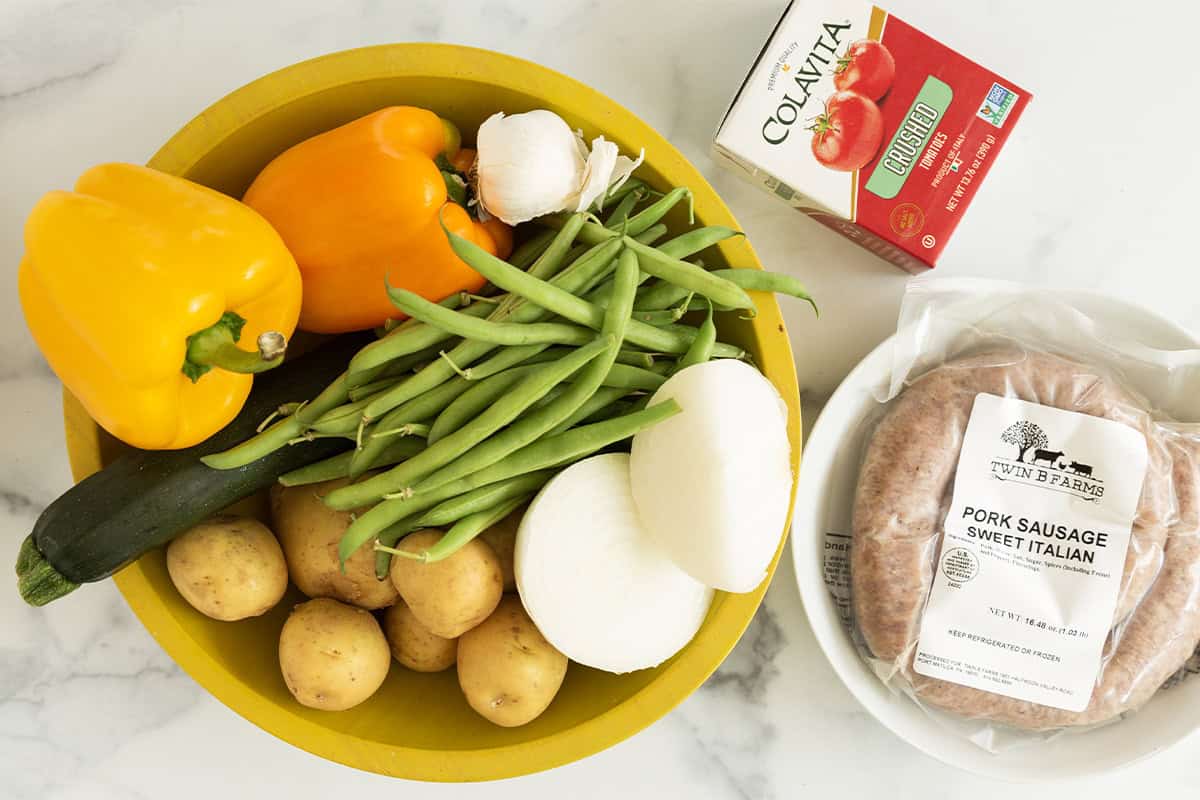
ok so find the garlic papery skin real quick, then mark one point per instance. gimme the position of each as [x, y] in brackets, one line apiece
[532, 164]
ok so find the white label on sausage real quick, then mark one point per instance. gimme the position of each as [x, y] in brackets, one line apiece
[1033, 552]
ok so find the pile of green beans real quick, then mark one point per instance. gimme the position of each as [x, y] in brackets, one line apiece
[458, 415]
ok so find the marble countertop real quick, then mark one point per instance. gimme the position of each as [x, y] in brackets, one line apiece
[1095, 190]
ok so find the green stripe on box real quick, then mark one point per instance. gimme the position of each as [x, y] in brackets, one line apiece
[910, 140]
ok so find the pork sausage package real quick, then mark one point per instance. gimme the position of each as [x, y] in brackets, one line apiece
[1025, 547]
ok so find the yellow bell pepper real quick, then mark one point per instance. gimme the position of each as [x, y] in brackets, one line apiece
[137, 286]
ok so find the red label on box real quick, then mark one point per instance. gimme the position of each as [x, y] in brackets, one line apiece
[961, 146]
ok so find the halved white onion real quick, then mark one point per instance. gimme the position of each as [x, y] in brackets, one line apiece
[712, 484]
[594, 581]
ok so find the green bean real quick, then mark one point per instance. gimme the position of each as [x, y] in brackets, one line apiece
[341, 420]
[417, 429]
[620, 214]
[758, 280]
[659, 295]
[507, 358]
[629, 377]
[604, 397]
[541, 355]
[454, 301]
[383, 559]
[617, 194]
[536, 423]
[392, 324]
[483, 498]
[698, 304]
[430, 377]
[691, 242]
[658, 319]
[651, 234]
[689, 276]
[397, 370]
[419, 409]
[318, 472]
[431, 403]
[482, 330]
[473, 401]
[622, 376]
[550, 397]
[701, 348]
[593, 263]
[665, 294]
[339, 466]
[510, 357]
[346, 418]
[452, 446]
[545, 400]
[455, 508]
[376, 386]
[599, 294]
[283, 410]
[577, 252]
[463, 532]
[636, 358]
[547, 452]
[282, 432]
[529, 250]
[670, 339]
[402, 342]
[570, 280]
[549, 262]
[551, 259]
[659, 208]
[598, 279]
[541, 293]
[388, 526]
[681, 246]
[617, 408]
[592, 232]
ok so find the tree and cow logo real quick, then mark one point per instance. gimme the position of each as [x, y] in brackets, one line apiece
[1027, 436]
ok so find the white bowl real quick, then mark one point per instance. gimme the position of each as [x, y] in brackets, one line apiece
[823, 500]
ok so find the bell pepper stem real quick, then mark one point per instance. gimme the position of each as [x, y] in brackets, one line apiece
[216, 346]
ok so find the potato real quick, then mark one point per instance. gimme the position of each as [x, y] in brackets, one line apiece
[450, 596]
[414, 645]
[333, 656]
[309, 532]
[228, 568]
[508, 672]
[502, 537]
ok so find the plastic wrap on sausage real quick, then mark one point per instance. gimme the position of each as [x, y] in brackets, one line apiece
[907, 487]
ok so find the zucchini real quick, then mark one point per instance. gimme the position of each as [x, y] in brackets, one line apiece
[145, 498]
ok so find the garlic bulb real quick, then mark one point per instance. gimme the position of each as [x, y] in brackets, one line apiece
[533, 164]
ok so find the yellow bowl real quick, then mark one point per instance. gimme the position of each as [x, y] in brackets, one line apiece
[418, 726]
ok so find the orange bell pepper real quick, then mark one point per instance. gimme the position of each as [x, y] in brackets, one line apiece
[365, 202]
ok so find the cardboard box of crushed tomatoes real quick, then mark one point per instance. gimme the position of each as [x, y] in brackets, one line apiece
[869, 126]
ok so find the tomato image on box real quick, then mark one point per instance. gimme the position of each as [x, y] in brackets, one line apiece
[869, 126]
